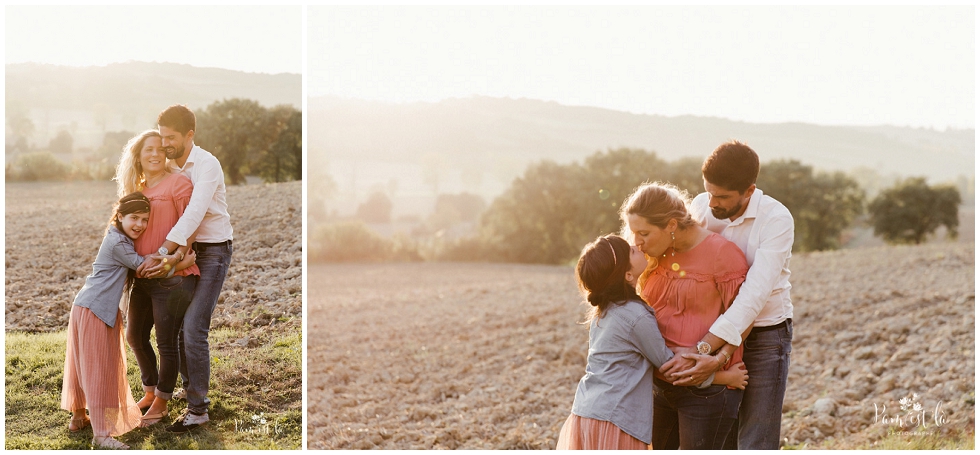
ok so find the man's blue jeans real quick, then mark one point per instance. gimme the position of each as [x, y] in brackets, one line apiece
[195, 353]
[159, 303]
[693, 418]
[766, 356]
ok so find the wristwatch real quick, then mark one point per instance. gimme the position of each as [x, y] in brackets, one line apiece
[704, 347]
[163, 251]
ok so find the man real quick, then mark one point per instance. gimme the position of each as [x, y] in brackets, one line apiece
[763, 229]
[207, 224]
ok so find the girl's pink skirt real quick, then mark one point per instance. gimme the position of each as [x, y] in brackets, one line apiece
[582, 433]
[95, 374]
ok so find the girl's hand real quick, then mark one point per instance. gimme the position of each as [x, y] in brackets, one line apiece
[742, 376]
[188, 260]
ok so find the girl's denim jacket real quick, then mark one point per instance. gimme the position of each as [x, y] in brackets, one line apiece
[104, 286]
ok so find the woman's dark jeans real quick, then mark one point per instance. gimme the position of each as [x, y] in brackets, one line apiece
[159, 303]
[693, 418]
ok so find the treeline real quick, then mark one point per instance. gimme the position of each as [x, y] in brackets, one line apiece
[246, 137]
[549, 212]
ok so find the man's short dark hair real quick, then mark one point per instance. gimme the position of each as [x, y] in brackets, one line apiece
[733, 166]
[178, 118]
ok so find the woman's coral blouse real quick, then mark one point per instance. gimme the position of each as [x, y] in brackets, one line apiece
[689, 290]
[168, 199]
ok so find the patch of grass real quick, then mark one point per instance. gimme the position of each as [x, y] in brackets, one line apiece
[256, 396]
[964, 440]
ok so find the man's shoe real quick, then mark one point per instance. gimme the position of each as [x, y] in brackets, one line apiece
[188, 422]
[180, 394]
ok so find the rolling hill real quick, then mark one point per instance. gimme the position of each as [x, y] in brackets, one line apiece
[480, 144]
[89, 101]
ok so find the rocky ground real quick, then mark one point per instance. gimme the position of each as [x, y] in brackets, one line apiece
[877, 326]
[53, 232]
[486, 356]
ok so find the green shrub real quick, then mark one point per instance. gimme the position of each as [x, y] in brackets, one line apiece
[353, 241]
[36, 166]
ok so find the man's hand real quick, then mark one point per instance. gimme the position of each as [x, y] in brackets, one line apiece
[678, 363]
[149, 262]
[159, 267]
[704, 365]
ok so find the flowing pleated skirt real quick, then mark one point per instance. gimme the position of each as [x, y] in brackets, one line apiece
[95, 374]
[583, 433]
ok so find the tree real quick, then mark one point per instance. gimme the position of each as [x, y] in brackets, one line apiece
[685, 174]
[102, 165]
[911, 210]
[319, 190]
[537, 219]
[234, 130]
[433, 169]
[21, 126]
[612, 176]
[282, 160]
[822, 204]
[377, 209]
[320, 187]
[452, 209]
[550, 212]
[61, 143]
[100, 115]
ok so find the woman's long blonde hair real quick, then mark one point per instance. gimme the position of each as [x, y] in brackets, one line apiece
[129, 173]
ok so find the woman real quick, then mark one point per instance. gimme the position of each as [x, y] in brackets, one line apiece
[156, 303]
[692, 277]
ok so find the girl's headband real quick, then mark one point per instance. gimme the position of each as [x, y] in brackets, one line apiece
[611, 249]
[135, 206]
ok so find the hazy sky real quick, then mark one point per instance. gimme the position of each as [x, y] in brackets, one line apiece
[905, 66]
[259, 39]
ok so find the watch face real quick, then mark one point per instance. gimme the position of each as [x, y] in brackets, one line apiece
[703, 348]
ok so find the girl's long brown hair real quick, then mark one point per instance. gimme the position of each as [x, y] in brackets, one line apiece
[601, 274]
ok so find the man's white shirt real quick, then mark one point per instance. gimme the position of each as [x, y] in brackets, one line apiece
[765, 234]
[207, 211]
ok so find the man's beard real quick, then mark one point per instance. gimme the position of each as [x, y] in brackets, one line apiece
[174, 153]
[723, 214]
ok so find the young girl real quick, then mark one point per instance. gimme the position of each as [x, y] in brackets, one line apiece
[613, 407]
[95, 361]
